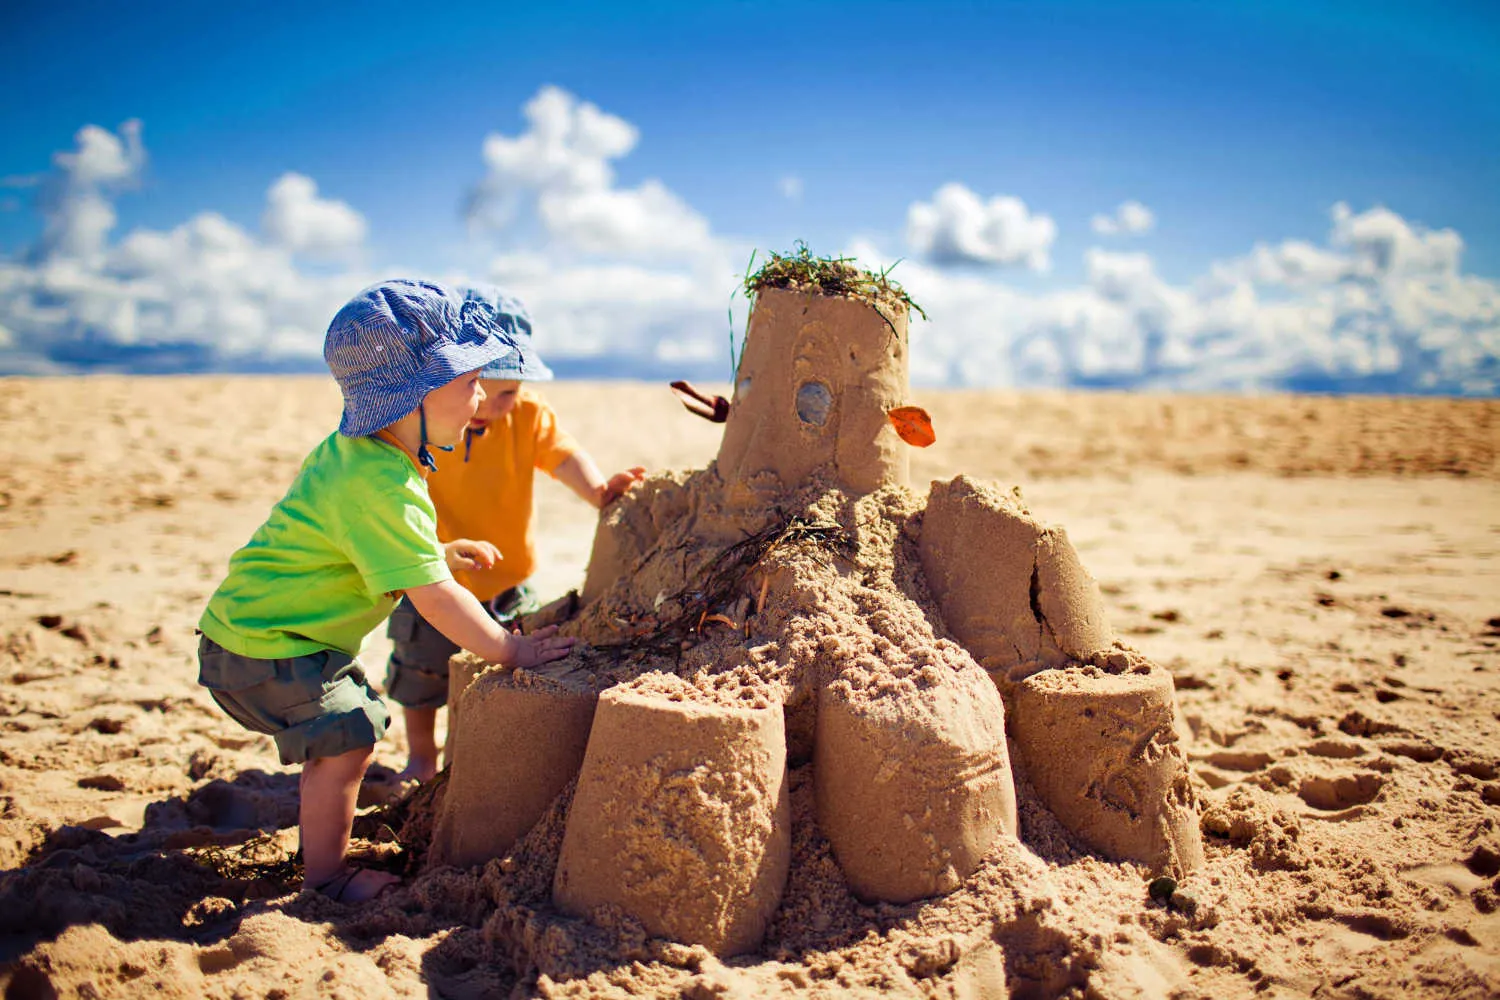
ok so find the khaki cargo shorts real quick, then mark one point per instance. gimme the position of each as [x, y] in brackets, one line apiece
[417, 675]
[318, 705]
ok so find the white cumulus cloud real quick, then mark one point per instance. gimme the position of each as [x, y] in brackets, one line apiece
[75, 198]
[631, 281]
[1382, 243]
[560, 169]
[620, 281]
[297, 219]
[617, 319]
[1292, 263]
[1129, 219]
[958, 226]
[206, 293]
[1382, 306]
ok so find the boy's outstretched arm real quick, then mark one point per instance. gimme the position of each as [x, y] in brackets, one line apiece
[579, 474]
[457, 614]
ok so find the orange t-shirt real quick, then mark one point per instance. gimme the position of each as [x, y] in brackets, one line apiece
[489, 497]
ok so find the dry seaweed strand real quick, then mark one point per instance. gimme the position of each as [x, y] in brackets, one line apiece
[261, 857]
[405, 821]
[264, 858]
[801, 271]
[714, 588]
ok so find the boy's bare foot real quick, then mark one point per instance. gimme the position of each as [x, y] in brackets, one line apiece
[355, 885]
[381, 785]
[418, 769]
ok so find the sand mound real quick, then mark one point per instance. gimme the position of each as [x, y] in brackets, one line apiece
[680, 818]
[797, 602]
[523, 743]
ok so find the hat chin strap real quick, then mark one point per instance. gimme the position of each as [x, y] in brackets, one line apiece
[423, 455]
[469, 435]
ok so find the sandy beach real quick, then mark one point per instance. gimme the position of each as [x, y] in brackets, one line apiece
[1321, 577]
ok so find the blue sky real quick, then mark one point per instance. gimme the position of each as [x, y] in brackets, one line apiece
[1235, 125]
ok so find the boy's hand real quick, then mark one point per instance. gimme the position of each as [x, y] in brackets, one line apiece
[618, 484]
[457, 614]
[465, 553]
[541, 646]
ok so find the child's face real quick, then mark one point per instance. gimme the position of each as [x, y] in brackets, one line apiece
[450, 408]
[499, 399]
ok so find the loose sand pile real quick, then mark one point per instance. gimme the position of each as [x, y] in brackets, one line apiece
[1333, 640]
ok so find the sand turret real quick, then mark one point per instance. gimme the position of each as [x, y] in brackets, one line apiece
[817, 377]
[796, 603]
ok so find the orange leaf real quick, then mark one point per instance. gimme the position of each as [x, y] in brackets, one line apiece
[913, 425]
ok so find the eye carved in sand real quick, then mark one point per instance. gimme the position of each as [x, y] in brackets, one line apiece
[813, 403]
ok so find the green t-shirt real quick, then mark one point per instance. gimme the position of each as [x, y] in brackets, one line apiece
[355, 527]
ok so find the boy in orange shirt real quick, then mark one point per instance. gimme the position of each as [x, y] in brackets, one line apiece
[484, 508]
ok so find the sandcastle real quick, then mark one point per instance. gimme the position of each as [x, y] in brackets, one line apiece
[796, 601]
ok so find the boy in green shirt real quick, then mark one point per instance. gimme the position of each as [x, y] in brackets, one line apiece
[354, 532]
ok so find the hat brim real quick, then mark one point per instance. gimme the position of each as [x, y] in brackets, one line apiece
[518, 371]
[376, 406]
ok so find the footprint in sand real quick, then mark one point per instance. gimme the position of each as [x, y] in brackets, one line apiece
[102, 782]
[108, 725]
[1240, 760]
[1473, 767]
[1333, 793]
[1337, 749]
[1418, 750]
[1356, 723]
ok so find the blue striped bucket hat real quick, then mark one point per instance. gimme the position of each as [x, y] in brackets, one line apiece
[515, 324]
[395, 342]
